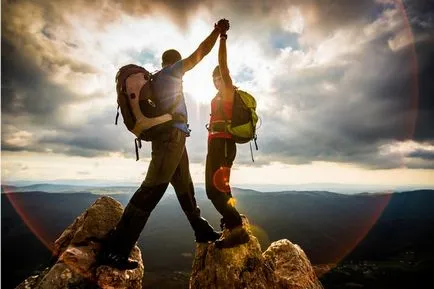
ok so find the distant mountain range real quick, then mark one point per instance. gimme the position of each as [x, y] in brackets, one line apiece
[332, 228]
[61, 188]
[101, 187]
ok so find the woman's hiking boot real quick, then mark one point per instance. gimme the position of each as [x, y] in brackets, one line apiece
[237, 236]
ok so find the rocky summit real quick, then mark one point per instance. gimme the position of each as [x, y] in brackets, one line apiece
[282, 265]
[75, 250]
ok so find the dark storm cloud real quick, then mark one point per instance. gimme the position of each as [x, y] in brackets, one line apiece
[420, 14]
[422, 154]
[25, 89]
[424, 129]
[30, 103]
[380, 98]
[98, 138]
[332, 12]
[328, 13]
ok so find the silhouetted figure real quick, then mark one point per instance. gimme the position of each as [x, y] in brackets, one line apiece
[222, 151]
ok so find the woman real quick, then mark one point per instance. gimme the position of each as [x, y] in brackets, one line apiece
[221, 153]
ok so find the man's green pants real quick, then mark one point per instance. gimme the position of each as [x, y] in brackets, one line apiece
[169, 164]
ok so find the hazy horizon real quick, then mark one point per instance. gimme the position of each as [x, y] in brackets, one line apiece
[330, 187]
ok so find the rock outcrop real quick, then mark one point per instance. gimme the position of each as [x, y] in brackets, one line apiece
[75, 251]
[282, 265]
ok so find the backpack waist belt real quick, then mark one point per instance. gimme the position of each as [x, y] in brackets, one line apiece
[178, 117]
[219, 126]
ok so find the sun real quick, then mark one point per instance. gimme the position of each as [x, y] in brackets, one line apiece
[198, 84]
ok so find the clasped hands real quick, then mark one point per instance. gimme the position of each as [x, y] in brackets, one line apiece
[223, 26]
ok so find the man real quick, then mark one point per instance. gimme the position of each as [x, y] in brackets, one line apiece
[169, 163]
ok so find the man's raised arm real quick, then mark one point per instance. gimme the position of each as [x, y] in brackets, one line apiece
[203, 49]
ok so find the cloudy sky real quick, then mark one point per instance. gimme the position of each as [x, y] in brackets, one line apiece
[345, 89]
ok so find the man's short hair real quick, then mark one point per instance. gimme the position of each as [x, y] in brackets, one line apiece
[170, 57]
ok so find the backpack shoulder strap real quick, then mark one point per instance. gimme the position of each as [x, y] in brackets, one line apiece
[153, 77]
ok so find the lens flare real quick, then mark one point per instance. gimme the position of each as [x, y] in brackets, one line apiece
[414, 74]
[34, 227]
[261, 235]
[221, 179]
[232, 202]
[374, 215]
[352, 238]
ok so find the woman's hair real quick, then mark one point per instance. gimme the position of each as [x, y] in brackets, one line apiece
[216, 71]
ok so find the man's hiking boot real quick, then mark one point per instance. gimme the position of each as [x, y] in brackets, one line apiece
[112, 257]
[236, 236]
[205, 237]
[203, 231]
[115, 260]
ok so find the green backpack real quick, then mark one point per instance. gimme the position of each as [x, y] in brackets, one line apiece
[244, 119]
